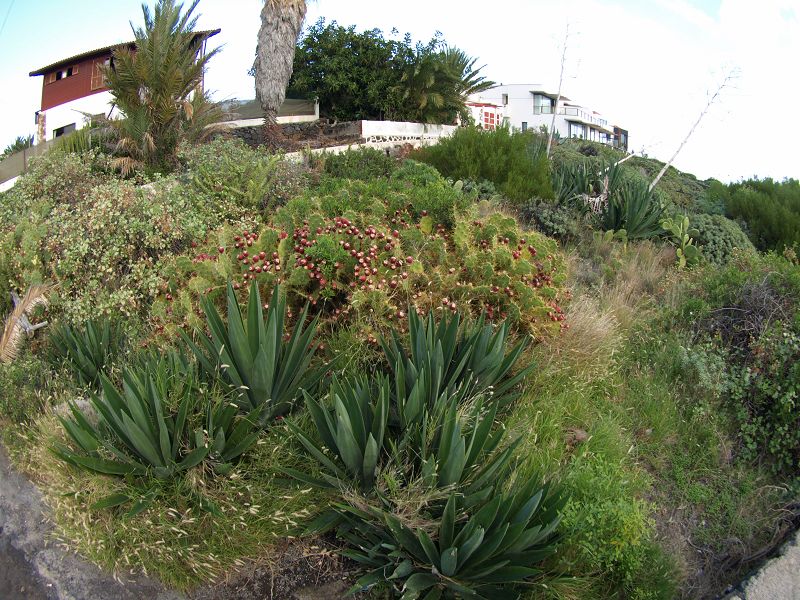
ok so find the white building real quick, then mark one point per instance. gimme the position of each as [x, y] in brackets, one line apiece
[526, 106]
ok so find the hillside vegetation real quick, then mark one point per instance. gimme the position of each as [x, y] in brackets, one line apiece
[534, 380]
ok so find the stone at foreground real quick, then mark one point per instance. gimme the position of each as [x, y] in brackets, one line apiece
[778, 579]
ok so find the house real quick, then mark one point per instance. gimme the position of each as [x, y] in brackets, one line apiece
[75, 87]
[486, 115]
[525, 106]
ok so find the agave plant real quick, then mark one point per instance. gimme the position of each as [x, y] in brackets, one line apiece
[266, 372]
[87, 350]
[634, 209]
[352, 429]
[136, 433]
[442, 359]
[231, 434]
[464, 449]
[482, 553]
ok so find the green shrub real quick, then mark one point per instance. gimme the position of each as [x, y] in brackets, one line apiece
[363, 163]
[718, 237]
[100, 248]
[237, 180]
[634, 209]
[515, 162]
[763, 394]
[554, 220]
[770, 209]
[313, 250]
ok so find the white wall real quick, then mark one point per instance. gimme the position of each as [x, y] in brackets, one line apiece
[70, 112]
[370, 130]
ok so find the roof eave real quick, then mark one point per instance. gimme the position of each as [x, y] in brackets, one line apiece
[98, 51]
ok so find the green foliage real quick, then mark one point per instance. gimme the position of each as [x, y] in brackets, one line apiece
[764, 396]
[87, 350]
[353, 431]
[100, 247]
[513, 161]
[414, 232]
[265, 371]
[353, 75]
[633, 209]
[718, 238]
[363, 163]
[447, 357]
[483, 553]
[20, 143]
[554, 220]
[682, 237]
[136, 434]
[365, 76]
[231, 176]
[770, 210]
[169, 63]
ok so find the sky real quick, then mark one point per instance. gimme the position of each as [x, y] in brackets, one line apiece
[649, 66]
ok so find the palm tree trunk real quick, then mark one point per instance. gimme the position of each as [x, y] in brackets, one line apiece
[281, 21]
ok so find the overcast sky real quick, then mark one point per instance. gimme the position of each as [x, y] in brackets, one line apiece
[647, 65]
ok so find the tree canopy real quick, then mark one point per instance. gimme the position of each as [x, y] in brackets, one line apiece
[364, 75]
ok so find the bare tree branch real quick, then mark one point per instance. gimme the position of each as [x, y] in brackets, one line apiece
[725, 83]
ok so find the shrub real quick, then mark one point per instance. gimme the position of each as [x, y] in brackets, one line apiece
[634, 209]
[363, 163]
[514, 161]
[554, 220]
[763, 394]
[486, 552]
[770, 209]
[101, 249]
[237, 180]
[718, 237]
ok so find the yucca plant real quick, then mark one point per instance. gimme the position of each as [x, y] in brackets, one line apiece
[486, 552]
[445, 358]
[136, 434]
[352, 428]
[633, 208]
[87, 350]
[265, 372]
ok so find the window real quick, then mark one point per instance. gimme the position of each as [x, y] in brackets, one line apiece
[64, 130]
[489, 121]
[98, 79]
[577, 130]
[61, 74]
[524, 126]
[542, 105]
[505, 99]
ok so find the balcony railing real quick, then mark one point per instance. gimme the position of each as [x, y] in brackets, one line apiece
[570, 111]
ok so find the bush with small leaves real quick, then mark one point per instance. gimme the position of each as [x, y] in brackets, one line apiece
[362, 163]
[718, 237]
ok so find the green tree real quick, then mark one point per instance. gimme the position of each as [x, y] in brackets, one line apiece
[353, 75]
[157, 89]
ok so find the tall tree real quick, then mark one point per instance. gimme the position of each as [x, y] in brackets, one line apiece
[157, 89]
[281, 21]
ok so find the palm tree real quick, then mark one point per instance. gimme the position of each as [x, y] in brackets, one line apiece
[437, 83]
[281, 21]
[157, 89]
[463, 67]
